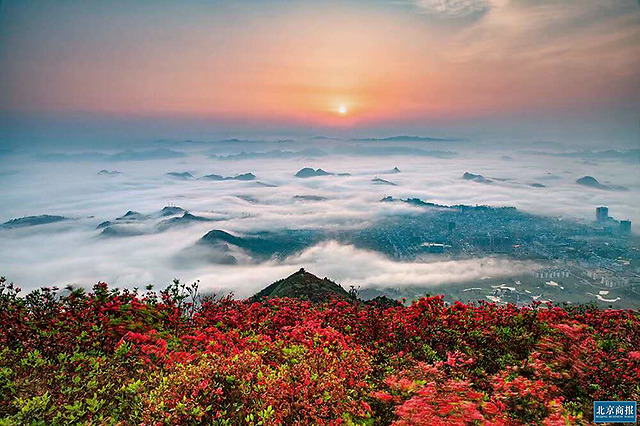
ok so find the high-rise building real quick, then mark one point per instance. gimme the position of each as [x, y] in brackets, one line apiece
[452, 227]
[602, 214]
[625, 226]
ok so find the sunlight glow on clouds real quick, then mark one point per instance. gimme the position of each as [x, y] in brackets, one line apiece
[292, 63]
[452, 8]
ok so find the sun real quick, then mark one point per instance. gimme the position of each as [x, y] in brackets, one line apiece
[342, 109]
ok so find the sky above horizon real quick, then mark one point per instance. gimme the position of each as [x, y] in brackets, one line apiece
[546, 69]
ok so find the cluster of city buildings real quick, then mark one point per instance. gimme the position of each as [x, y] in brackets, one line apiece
[611, 278]
[602, 217]
[548, 273]
[602, 253]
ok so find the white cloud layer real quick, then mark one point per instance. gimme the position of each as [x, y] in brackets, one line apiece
[452, 8]
[361, 268]
[72, 252]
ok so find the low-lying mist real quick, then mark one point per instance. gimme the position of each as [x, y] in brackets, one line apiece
[70, 184]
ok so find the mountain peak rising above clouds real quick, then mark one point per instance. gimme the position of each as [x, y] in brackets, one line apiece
[306, 286]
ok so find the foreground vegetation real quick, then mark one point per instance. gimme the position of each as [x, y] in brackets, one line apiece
[125, 357]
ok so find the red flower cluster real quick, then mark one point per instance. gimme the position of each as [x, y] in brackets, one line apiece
[121, 357]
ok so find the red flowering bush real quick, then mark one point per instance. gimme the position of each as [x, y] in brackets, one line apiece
[124, 357]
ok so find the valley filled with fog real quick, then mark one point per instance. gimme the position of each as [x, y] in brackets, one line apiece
[248, 190]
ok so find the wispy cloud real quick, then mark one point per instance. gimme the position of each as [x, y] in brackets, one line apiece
[452, 8]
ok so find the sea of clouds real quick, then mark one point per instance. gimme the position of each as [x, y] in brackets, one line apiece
[72, 252]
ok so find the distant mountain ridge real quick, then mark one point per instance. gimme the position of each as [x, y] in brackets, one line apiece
[475, 178]
[278, 153]
[130, 224]
[378, 181]
[127, 155]
[308, 172]
[42, 219]
[263, 245]
[105, 172]
[592, 182]
[243, 176]
[180, 175]
[405, 138]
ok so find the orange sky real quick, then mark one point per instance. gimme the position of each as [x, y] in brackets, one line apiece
[300, 61]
